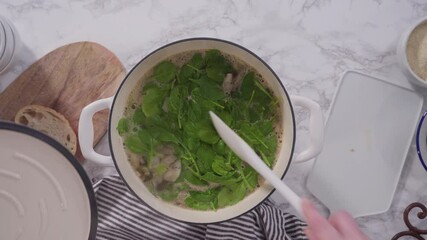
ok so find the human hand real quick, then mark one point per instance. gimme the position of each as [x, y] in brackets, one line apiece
[339, 226]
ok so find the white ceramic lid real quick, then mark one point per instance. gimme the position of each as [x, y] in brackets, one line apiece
[44, 192]
[367, 137]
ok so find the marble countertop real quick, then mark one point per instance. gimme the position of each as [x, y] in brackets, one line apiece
[309, 44]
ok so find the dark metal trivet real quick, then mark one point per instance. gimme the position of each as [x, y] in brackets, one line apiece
[413, 231]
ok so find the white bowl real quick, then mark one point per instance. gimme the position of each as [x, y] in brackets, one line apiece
[402, 57]
[2, 40]
[9, 42]
[421, 140]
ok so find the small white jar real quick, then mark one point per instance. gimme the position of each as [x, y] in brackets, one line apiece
[403, 57]
[9, 42]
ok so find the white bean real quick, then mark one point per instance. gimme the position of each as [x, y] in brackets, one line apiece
[227, 84]
[173, 173]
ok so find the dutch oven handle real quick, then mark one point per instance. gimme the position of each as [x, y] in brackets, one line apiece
[316, 128]
[86, 131]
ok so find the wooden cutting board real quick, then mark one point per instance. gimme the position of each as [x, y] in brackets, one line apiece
[67, 79]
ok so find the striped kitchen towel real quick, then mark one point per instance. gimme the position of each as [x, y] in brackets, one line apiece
[121, 216]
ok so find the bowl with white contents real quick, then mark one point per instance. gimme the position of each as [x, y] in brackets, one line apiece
[165, 147]
[412, 53]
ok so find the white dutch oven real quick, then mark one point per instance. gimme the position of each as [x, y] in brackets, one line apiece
[117, 104]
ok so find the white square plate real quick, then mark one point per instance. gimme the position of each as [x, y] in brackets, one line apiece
[367, 137]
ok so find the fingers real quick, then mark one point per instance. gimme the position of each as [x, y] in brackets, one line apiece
[339, 226]
[346, 226]
[318, 227]
[343, 222]
[310, 234]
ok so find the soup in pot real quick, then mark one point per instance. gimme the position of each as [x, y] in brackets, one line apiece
[169, 138]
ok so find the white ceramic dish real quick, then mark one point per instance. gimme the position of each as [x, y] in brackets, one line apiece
[44, 192]
[2, 40]
[11, 43]
[421, 140]
[367, 136]
[402, 57]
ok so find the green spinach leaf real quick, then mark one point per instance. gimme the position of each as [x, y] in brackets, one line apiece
[138, 116]
[209, 195]
[220, 166]
[152, 101]
[205, 156]
[206, 132]
[220, 147]
[230, 195]
[122, 126]
[227, 179]
[134, 144]
[191, 178]
[165, 71]
[197, 61]
[193, 203]
[163, 135]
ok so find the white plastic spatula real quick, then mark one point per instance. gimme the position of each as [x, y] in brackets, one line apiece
[247, 154]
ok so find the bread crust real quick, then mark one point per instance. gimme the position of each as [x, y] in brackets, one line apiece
[49, 122]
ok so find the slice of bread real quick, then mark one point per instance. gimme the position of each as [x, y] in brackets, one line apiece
[49, 122]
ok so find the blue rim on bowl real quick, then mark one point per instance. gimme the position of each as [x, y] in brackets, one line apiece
[422, 141]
